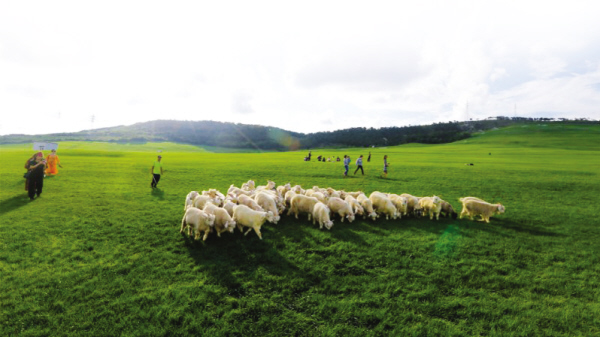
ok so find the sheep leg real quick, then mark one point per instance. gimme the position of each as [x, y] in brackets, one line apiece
[248, 231]
[257, 230]
[205, 235]
[183, 225]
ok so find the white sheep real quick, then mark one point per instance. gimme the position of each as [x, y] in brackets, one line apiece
[282, 189]
[197, 221]
[302, 204]
[267, 202]
[298, 189]
[245, 216]
[341, 207]
[401, 204]
[447, 210]
[248, 186]
[201, 200]
[355, 194]
[320, 214]
[189, 199]
[246, 200]
[431, 206]
[270, 186]
[384, 205]
[412, 204]
[288, 197]
[223, 221]
[319, 195]
[356, 206]
[368, 206]
[472, 207]
[228, 206]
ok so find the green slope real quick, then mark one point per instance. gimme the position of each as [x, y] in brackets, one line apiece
[100, 253]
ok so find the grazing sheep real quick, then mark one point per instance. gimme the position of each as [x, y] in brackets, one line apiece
[279, 200]
[321, 215]
[368, 206]
[341, 207]
[246, 200]
[384, 205]
[197, 221]
[355, 205]
[401, 204]
[447, 210]
[267, 202]
[412, 204]
[189, 199]
[473, 208]
[431, 206]
[245, 216]
[302, 204]
[223, 221]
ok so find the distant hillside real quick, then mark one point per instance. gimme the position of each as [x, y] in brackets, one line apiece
[244, 136]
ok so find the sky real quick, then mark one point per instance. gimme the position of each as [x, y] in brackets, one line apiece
[304, 66]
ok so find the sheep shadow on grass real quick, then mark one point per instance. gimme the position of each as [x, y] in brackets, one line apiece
[235, 257]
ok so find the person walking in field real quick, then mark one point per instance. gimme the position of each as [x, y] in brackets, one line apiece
[157, 171]
[346, 165]
[369, 157]
[359, 165]
[52, 161]
[385, 166]
[35, 175]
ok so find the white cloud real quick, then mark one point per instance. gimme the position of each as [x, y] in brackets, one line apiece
[307, 67]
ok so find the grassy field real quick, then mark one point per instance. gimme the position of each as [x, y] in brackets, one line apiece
[100, 253]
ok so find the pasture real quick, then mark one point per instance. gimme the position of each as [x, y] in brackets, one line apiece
[100, 253]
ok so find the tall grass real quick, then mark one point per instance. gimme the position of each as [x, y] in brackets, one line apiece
[100, 253]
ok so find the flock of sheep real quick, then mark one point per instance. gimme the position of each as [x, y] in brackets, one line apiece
[251, 206]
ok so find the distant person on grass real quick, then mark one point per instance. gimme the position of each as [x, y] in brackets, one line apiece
[157, 171]
[346, 165]
[35, 175]
[53, 161]
[359, 165]
[369, 157]
[385, 166]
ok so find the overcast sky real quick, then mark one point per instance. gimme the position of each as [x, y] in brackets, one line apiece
[303, 66]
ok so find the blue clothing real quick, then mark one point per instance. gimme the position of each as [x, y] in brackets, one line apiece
[359, 161]
[346, 161]
[385, 165]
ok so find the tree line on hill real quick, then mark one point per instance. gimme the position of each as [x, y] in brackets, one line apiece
[244, 136]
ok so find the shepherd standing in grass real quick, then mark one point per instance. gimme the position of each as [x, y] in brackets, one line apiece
[385, 166]
[157, 171]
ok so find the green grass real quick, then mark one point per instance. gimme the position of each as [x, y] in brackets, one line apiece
[100, 253]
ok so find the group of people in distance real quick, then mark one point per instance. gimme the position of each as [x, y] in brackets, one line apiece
[37, 168]
[359, 164]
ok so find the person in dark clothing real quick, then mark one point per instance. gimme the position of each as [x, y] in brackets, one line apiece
[369, 158]
[35, 179]
[309, 155]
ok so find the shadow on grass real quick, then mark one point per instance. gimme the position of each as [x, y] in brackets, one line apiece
[521, 227]
[13, 203]
[158, 193]
[237, 257]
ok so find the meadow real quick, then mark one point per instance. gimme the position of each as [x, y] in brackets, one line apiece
[100, 253]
